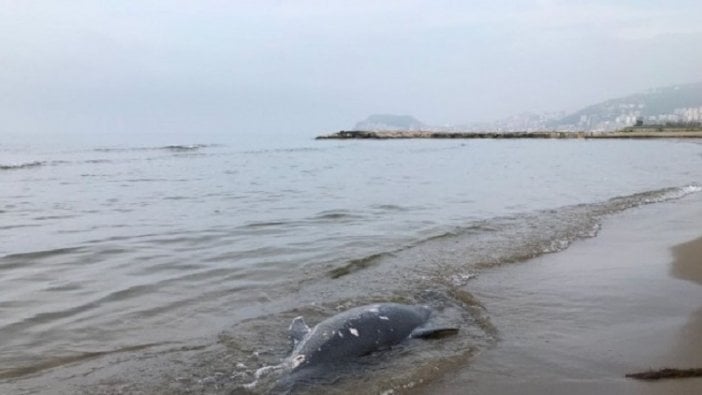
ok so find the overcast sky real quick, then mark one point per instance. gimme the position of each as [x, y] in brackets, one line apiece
[315, 66]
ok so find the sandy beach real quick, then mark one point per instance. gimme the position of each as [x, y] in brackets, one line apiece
[626, 301]
[688, 261]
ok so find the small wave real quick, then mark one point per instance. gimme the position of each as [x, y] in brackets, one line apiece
[96, 161]
[549, 231]
[52, 217]
[172, 148]
[284, 150]
[53, 362]
[335, 215]
[674, 193]
[117, 149]
[18, 226]
[26, 165]
[135, 180]
[266, 224]
[389, 207]
[356, 265]
[55, 315]
[510, 239]
[35, 255]
[181, 148]
[621, 203]
[461, 279]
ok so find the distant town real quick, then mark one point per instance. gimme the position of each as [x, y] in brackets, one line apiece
[677, 106]
[631, 115]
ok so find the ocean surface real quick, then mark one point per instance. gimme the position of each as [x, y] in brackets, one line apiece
[175, 264]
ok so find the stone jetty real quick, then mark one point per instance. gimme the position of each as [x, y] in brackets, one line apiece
[620, 134]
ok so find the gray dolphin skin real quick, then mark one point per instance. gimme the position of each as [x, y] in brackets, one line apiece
[359, 331]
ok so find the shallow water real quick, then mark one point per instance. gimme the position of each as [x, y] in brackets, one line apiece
[578, 322]
[174, 262]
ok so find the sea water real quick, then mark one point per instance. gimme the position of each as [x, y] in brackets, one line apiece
[178, 261]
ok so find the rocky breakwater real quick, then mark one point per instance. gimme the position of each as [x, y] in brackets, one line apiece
[420, 134]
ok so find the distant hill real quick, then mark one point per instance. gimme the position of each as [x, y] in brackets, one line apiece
[678, 103]
[389, 122]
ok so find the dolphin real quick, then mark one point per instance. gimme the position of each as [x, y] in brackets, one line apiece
[343, 337]
[357, 332]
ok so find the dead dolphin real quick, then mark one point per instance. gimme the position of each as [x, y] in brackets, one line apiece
[357, 332]
[341, 338]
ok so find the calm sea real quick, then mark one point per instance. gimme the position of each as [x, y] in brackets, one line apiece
[176, 263]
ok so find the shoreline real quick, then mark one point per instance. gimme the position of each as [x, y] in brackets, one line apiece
[579, 321]
[420, 134]
[688, 261]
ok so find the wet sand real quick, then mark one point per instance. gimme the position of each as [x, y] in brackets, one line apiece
[688, 261]
[577, 322]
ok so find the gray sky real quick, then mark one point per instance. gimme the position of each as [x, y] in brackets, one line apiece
[314, 66]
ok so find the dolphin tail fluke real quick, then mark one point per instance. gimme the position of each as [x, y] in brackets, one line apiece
[433, 333]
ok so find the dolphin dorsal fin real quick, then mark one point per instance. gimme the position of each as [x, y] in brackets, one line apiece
[298, 329]
[433, 333]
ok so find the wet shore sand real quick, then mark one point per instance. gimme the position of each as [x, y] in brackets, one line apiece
[579, 321]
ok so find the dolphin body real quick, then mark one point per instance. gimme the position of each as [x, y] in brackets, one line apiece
[357, 332]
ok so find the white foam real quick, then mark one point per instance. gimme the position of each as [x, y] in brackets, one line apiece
[462, 278]
[354, 331]
[265, 370]
[692, 188]
[676, 193]
[298, 360]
